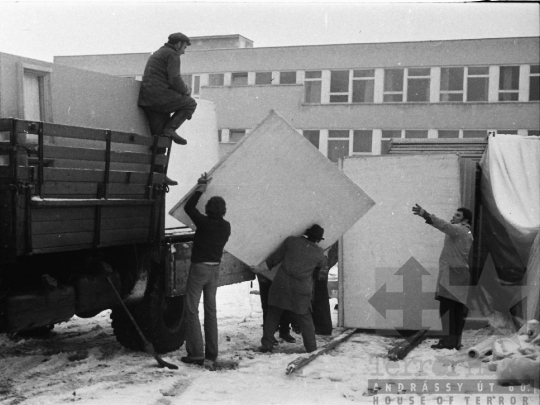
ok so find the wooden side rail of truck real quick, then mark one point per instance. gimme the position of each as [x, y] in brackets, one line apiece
[74, 199]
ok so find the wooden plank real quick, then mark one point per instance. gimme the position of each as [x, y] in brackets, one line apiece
[94, 134]
[73, 202]
[63, 152]
[40, 214]
[402, 349]
[90, 189]
[126, 236]
[62, 239]
[303, 361]
[126, 212]
[85, 225]
[87, 176]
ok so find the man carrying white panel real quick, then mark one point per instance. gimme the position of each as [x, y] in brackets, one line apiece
[454, 275]
[292, 285]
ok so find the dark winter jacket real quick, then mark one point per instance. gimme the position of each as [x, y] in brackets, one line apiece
[292, 286]
[161, 82]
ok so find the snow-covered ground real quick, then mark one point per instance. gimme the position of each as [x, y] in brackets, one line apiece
[82, 362]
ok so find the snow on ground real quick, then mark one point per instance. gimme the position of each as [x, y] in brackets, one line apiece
[82, 362]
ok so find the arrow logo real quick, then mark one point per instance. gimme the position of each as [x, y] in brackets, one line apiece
[412, 300]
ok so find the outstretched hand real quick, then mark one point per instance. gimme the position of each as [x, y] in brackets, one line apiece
[204, 179]
[417, 210]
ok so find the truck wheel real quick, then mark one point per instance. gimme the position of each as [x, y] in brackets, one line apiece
[123, 328]
[164, 317]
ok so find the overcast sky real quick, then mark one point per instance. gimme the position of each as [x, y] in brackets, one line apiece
[43, 29]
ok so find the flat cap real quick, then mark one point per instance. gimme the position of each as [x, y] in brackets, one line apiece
[178, 37]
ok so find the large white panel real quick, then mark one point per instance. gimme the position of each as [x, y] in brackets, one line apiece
[277, 184]
[187, 162]
[389, 238]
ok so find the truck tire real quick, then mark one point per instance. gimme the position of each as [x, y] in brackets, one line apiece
[164, 316]
[123, 328]
[158, 317]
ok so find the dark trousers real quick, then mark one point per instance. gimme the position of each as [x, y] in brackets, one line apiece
[453, 314]
[286, 316]
[202, 280]
[159, 117]
[322, 317]
[306, 327]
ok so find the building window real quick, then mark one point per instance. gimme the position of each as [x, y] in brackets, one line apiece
[235, 135]
[220, 139]
[416, 133]
[509, 83]
[418, 81]
[35, 103]
[196, 85]
[533, 132]
[393, 85]
[312, 136]
[239, 79]
[452, 84]
[474, 133]
[363, 86]
[507, 131]
[362, 141]
[534, 83]
[263, 78]
[339, 86]
[287, 77]
[313, 86]
[391, 133]
[477, 83]
[448, 133]
[216, 79]
[338, 145]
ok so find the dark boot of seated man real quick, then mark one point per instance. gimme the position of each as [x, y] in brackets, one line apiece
[176, 120]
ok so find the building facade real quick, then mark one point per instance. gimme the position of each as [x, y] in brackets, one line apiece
[347, 99]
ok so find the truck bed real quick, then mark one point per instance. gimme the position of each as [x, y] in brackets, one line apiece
[68, 188]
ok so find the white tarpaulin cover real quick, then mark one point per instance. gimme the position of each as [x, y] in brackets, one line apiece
[511, 187]
[277, 184]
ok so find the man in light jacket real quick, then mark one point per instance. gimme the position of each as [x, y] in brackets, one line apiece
[454, 276]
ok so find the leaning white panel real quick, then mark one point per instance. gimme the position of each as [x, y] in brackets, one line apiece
[389, 236]
[277, 184]
[187, 162]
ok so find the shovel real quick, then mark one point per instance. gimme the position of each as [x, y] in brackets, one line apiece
[148, 347]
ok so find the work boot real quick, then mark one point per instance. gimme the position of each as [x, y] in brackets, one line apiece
[287, 337]
[171, 133]
[170, 182]
[265, 349]
[193, 360]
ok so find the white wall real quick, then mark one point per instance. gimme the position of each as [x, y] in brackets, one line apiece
[389, 235]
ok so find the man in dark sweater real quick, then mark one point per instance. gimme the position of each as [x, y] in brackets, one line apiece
[211, 235]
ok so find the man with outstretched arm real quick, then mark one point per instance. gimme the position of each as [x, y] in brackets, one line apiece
[211, 235]
[454, 276]
[292, 286]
